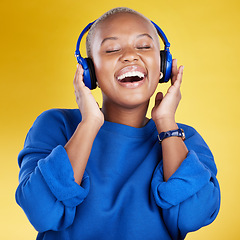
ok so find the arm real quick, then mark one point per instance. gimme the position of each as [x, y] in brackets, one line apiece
[52, 178]
[184, 184]
[79, 146]
[173, 149]
[190, 199]
[47, 191]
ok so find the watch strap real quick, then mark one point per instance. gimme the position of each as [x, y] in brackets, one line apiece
[172, 133]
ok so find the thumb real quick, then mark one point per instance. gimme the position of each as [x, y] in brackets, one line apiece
[158, 98]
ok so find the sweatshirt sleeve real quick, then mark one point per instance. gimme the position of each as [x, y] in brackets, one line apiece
[47, 191]
[190, 199]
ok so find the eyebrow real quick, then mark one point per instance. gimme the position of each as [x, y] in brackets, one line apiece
[143, 35]
[138, 36]
[108, 38]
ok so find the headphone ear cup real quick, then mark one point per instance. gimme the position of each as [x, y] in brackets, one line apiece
[90, 79]
[166, 65]
[163, 65]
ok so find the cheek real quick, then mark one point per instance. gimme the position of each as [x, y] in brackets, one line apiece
[103, 68]
[154, 67]
[158, 62]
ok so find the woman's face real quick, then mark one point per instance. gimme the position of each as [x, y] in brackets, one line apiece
[126, 57]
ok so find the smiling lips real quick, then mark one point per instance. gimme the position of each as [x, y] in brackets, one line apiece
[131, 76]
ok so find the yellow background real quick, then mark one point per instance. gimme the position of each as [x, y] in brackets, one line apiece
[37, 67]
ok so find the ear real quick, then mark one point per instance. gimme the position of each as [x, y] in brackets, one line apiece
[161, 75]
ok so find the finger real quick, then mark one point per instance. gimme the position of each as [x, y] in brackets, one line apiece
[178, 81]
[158, 98]
[174, 71]
[77, 73]
[78, 78]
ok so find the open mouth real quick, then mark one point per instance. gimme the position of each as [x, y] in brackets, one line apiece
[130, 77]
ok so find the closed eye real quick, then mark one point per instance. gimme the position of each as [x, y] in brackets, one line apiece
[144, 47]
[112, 51]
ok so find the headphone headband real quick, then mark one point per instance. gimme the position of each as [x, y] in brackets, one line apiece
[159, 30]
[77, 52]
[162, 35]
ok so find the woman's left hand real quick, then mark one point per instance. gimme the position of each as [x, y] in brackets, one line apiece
[166, 106]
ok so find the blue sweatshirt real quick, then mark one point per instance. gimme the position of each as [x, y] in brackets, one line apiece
[122, 194]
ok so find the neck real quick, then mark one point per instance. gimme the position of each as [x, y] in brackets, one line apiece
[134, 117]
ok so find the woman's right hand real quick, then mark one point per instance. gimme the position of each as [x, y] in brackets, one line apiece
[87, 105]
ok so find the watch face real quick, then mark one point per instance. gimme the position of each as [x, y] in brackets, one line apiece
[183, 134]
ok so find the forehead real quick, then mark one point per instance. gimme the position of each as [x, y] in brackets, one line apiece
[124, 23]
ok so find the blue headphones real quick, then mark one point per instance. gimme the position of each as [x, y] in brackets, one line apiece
[89, 76]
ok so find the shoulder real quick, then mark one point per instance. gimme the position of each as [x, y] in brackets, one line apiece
[55, 118]
[54, 125]
[188, 130]
[194, 141]
[58, 114]
[193, 138]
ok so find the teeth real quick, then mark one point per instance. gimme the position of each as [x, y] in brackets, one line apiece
[131, 74]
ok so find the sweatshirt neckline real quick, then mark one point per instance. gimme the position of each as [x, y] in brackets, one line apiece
[128, 131]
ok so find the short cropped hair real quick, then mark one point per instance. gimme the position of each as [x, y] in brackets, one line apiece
[109, 13]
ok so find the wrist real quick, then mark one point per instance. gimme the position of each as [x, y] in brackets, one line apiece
[166, 124]
[172, 133]
[93, 123]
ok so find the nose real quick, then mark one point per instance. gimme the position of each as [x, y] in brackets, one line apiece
[129, 55]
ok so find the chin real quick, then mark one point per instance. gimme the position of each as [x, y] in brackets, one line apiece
[133, 101]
